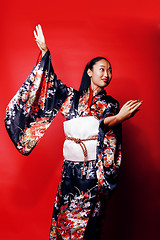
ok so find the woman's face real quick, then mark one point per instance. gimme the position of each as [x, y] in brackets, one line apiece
[101, 74]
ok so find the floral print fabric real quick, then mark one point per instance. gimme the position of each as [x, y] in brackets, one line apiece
[78, 201]
[74, 201]
[35, 105]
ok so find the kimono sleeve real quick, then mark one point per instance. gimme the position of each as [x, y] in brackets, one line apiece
[109, 151]
[32, 109]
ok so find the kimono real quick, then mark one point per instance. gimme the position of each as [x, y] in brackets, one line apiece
[80, 198]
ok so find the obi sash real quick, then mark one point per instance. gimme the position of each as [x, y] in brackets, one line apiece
[81, 138]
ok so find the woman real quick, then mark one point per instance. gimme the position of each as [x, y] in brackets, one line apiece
[92, 149]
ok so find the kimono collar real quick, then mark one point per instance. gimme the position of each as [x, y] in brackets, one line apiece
[92, 95]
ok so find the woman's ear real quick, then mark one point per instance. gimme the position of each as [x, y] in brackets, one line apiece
[89, 72]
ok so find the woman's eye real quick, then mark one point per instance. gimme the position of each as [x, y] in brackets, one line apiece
[102, 69]
[109, 70]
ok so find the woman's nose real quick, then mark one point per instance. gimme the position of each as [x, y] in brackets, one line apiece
[106, 73]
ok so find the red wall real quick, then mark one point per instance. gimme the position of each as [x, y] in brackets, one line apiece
[128, 34]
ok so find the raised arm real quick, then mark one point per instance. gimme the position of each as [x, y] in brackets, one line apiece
[32, 109]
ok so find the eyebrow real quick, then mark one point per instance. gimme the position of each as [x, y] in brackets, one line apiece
[104, 66]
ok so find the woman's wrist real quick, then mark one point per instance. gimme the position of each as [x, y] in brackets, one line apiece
[119, 118]
[44, 51]
[112, 121]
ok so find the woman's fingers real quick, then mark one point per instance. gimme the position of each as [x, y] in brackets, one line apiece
[35, 35]
[39, 34]
[40, 30]
[129, 102]
[37, 31]
[136, 106]
[132, 102]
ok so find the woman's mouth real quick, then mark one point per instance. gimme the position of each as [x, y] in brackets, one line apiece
[105, 79]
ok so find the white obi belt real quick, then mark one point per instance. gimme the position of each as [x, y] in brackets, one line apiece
[81, 139]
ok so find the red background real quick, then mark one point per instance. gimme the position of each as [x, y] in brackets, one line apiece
[128, 34]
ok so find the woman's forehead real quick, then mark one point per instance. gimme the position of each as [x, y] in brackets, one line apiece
[103, 63]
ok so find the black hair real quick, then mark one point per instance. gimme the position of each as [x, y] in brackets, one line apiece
[86, 81]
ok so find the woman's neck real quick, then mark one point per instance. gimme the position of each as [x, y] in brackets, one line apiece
[94, 87]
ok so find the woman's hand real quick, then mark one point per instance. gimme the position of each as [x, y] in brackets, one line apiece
[39, 38]
[128, 110]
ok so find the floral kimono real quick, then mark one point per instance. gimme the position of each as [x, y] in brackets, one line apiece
[83, 188]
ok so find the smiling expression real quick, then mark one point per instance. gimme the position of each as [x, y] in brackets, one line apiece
[100, 75]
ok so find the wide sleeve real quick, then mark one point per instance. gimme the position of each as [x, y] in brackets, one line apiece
[32, 109]
[109, 153]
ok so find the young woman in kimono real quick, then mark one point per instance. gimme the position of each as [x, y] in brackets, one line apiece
[92, 149]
